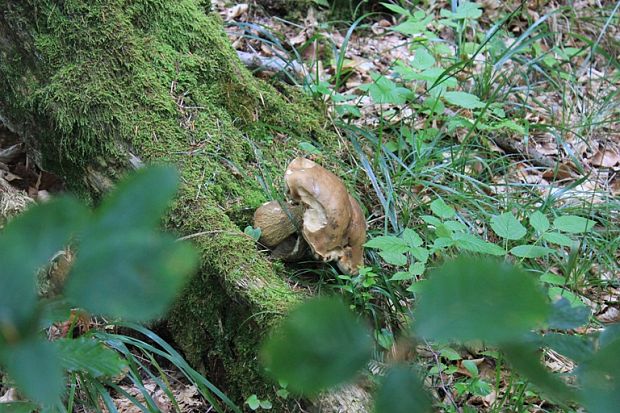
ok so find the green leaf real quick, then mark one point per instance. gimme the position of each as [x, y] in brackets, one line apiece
[507, 226]
[441, 209]
[539, 222]
[524, 359]
[553, 279]
[134, 276]
[431, 220]
[27, 243]
[558, 238]
[35, 368]
[474, 299]
[265, 405]
[396, 9]
[388, 243]
[412, 238]
[252, 232]
[89, 355]
[309, 148]
[320, 344]
[463, 99]
[455, 226]
[450, 354]
[470, 242]
[394, 258]
[600, 380]
[471, 367]
[467, 10]
[253, 402]
[402, 392]
[573, 224]
[556, 293]
[421, 254]
[137, 202]
[383, 90]
[413, 26]
[422, 59]
[402, 276]
[577, 348]
[565, 316]
[530, 251]
[417, 268]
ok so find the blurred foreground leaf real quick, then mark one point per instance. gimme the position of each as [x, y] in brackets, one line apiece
[524, 359]
[479, 300]
[27, 243]
[320, 344]
[35, 368]
[600, 378]
[402, 392]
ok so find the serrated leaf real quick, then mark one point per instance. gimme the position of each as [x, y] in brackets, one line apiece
[394, 258]
[573, 224]
[320, 344]
[441, 209]
[463, 99]
[388, 243]
[539, 222]
[470, 242]
[507, 226]
[422, 59]
[488, 301]
[530, 251]
[558, 238]
[402, 392]
[412, 238]
[89, 355]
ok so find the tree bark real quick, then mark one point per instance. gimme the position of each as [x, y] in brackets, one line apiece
[96, 87]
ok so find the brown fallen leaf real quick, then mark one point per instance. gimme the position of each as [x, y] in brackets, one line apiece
[610, 315]
[607, 158]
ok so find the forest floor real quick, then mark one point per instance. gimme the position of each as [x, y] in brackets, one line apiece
[428, 106]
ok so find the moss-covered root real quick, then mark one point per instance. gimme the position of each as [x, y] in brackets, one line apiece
[88, 81]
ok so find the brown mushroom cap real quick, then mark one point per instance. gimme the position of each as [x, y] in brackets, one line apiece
[333, 223]
[276, 223]
[353, 257]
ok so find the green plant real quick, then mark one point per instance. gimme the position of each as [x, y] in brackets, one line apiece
[125, 269]
[469, 299]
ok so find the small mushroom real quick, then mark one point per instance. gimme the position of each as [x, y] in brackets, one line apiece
[333, 222]
[276, 223]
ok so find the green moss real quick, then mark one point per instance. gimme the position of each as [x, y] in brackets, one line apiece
[160, 78]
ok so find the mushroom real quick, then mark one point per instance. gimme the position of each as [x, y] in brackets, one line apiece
[276, 223]
[333, 222]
